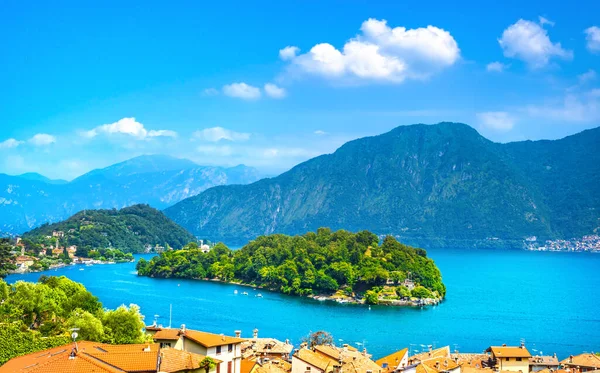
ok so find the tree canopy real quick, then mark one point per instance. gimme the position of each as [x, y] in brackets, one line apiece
[45, 311]
[321, 262]
[130, 229]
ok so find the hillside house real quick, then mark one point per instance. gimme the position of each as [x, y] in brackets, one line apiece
[331, 359]
[539, 363]
[581, 363]
[225, 350]
[508, 358]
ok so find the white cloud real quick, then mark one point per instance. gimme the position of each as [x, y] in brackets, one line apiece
[241, 90]
[162, 133]
[593, 38]
[127, 126]
[529, 42]
[288, 53]
[382, 53]
[545, 21]
[320, 132]
[581, 107]
[216, 134]
[587, 77]
[42, 139]
[274, 91]
[496, 120]
[10, 143]
[497, 67]
[210, 92]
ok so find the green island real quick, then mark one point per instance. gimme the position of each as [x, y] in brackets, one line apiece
[37, 316]
[135, 229]
[342, 266]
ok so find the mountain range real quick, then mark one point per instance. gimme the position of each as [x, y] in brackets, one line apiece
[430, 185]
[29, 200]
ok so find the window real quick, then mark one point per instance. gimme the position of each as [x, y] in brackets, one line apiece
[519, 359]
[165, 344]
[218, 350]
[229, 367]
[229, 347]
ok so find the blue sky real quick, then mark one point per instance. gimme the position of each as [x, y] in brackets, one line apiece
[271, 84]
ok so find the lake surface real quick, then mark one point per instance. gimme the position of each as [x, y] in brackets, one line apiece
[552, 300]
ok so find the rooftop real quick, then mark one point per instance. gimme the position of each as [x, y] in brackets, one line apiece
[509, 351]
[583, 360]
[392, 360]
[88, 357]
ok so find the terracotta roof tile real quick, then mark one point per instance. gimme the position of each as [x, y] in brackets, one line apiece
[583, 360]
[91, 357]
[172, 360]
[210, 339]
[167, 334]
[392, 360]
[509, 351]
[246, 365]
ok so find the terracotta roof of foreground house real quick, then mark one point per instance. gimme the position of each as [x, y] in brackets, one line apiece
[203, 338]
[317, 360]
[210, 339]
[274, 366]
[89, 357]
[583, 360]
[544, 360]
[172, 360]
[392, 360]
[166, 334]
[247, 365]
[439, 352]
[509, 351]
[440, 364]
[273, 346]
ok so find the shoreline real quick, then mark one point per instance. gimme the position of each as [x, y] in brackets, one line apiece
[323, 297]
[63, 265]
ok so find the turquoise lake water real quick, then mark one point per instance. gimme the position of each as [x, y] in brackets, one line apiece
[552, 300]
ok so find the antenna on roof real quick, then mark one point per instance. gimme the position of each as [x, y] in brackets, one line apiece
[74, 335]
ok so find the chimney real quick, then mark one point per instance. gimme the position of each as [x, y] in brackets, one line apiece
[365, 351]
[571, 359]
[555, 356]
[287, 341]
[522, 345]
[183, 328]
[238, 333]
[255, 333]
[147, 349]
[437, 365]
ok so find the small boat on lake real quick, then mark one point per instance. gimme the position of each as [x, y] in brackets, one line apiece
[244, 293]
[235, 291]
[259, 295]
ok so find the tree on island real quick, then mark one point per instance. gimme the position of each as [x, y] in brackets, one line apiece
[318, 338]
[6, 258]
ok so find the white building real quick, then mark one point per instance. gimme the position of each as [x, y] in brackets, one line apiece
[226, 351]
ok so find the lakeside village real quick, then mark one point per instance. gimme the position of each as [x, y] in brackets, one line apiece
[173, 350]
[51, 254]
[589, 243]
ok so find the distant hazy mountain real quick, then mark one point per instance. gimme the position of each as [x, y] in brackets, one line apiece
[34, 176]
[160, 181]
[433, 185]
